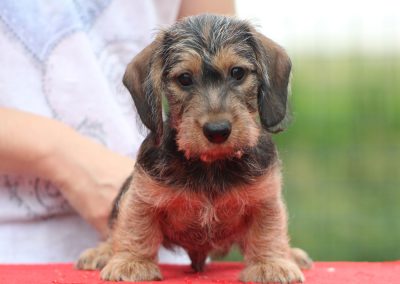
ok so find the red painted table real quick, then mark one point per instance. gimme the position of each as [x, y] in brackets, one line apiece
[217, 273]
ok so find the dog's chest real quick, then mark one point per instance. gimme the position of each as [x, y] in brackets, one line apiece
[198, 221]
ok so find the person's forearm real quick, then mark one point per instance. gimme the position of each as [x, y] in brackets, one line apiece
[28, 140]
[194, 7]
[88, 174]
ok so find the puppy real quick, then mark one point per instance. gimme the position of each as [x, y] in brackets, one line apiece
[208, 176]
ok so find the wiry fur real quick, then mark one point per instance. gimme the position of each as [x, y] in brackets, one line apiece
[187, 190]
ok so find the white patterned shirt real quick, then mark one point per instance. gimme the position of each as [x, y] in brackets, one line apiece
[64, 59]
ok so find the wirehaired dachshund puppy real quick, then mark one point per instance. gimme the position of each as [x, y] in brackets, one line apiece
[208, 175]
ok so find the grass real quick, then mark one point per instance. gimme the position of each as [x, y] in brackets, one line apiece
[341, 157]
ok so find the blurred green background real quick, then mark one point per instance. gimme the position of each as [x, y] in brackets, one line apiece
[341, 157]
[341, 153]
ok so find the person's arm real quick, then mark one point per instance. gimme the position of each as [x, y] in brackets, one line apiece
[195, 7]
[88, 174]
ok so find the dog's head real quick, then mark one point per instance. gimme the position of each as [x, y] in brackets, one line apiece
[223, 82]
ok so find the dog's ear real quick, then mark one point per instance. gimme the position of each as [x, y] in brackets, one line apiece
[143, 80]
[273, 94]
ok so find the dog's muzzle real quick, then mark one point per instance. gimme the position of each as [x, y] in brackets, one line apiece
[217, 132]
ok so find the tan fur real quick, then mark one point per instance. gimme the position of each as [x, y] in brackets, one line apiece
[227, 58]
[301, 258]
[190, 62]
[151, 211]
[95, 258]
[124, 267]
[191, 140]
[181, 213]
[251, 214]
[245, 126]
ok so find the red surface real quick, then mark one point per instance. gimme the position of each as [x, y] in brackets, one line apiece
[217, 273]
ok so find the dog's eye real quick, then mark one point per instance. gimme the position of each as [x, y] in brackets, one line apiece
[237, 73]
[185, 79]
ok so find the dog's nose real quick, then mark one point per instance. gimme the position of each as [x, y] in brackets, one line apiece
[217, 132]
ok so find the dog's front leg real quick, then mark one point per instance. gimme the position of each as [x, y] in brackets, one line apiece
[266, 246]
[136, 240]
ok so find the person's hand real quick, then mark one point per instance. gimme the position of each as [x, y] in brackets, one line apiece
[88, 174]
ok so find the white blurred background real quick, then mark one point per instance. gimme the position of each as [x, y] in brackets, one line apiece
[327, 26]
[341, 152]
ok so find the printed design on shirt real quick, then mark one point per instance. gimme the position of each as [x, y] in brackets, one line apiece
[41, 24]
[92, 129]
[49, 197]
[113, 58]
[50, 31]
[37, 198]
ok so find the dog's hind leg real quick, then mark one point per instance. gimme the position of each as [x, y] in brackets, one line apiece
[198, 259]
[301, 258]
[95, 258]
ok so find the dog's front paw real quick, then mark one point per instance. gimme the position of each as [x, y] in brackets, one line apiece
[122, 267]
[94, 258]
[276, 270]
